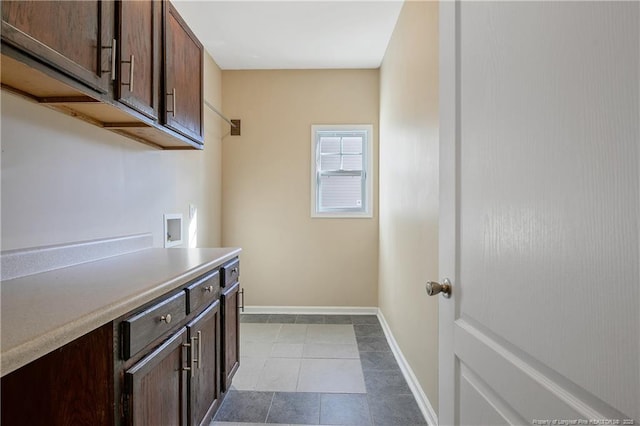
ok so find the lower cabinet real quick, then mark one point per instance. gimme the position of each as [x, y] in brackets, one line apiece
[170, 362]
[179, 354]
[179, 382]
[230, 334]
[72, 385]
[156, 388]
[204, 383]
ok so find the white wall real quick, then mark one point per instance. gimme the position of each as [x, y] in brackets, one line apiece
[289, 258]
[65, 180]
[409, 189]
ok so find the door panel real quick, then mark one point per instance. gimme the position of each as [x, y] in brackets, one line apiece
[480, 399]
[204, 333]
[156, 386]
[139, 29]
[539, 210]
[74, 37]
[231, 335]
[183, 77]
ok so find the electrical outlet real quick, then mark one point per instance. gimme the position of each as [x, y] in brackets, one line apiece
[192, 211]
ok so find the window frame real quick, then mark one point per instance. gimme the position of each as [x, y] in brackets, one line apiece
[367, 169]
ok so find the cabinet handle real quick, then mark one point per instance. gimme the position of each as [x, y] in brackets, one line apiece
[166, 318]
[131, 67]
[190, 346]
[234, 271]
[173, 102]
[194, 361]
[208, 288]
[241, 307]
[199, 349]
[113, 59]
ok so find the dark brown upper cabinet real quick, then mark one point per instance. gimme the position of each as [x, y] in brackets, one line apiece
[74, 37]
[132, 67]
[183, 70]
[139, 51]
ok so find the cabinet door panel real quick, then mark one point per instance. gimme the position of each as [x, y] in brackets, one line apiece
[231, 335]
[204, 333]
[183, 77]
[72, 385]
[156, 385]
[139, 53]
[73, 37]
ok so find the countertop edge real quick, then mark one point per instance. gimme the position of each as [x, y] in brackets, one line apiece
[21, 355]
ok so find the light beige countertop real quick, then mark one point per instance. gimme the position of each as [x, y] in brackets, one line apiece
[45, 311]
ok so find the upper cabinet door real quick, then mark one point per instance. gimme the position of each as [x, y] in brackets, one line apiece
[183, 65]
[139, 55]
[74, 37]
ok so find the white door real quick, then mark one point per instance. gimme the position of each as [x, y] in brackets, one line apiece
[539, 213]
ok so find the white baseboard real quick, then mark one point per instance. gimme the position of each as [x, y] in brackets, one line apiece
[421, 398]
[311, 310]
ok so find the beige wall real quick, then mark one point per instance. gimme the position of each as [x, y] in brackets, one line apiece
[64, 180]
[409, 189]
[290, 259]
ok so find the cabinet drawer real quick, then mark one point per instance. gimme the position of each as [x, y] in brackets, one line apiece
[230, 272]
[203, 291]
[143, 328]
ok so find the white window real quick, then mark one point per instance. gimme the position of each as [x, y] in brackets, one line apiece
[341, 178]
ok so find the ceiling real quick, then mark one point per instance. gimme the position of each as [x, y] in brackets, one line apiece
[298, 34]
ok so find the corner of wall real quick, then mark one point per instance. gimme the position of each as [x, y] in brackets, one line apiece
[408, 173]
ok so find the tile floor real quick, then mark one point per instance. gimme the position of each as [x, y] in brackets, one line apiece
[317, 370]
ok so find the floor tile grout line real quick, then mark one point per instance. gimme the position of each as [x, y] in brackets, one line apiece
[368, 396]
[273, 396]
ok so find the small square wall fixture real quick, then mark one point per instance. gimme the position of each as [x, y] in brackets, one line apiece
[172, 230]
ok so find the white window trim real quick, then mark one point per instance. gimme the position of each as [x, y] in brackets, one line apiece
[368, 212]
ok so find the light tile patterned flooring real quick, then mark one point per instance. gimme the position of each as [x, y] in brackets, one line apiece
[317, 369]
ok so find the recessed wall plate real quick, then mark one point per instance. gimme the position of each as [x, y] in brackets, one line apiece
[172, 229]
[235, 131]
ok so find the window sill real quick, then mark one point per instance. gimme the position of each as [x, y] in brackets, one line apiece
[341, 215]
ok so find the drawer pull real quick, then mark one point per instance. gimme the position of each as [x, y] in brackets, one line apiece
[234, 271]
[166, 318]
[208, 288]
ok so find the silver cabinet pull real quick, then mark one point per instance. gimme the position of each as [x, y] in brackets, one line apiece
[131, 63]
[190, 346]
[208, 288]
[173, 102]
[199, 349]
[194, 361]
[434, 288]
[113, 59]
[166, 318]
